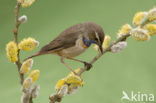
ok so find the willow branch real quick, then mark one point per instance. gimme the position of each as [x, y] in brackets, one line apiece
[18, 63]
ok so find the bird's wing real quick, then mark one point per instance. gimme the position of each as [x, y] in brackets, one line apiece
[66, 39]
[63, 41]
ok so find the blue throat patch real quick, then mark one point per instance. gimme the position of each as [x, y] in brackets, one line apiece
[88, 43]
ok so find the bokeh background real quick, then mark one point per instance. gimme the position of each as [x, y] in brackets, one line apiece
[133, 69]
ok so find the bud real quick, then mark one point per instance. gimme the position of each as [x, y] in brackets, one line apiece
[96, 48]
[152, 14]
[73, 89]
[12, 51]
[140, 34]
[63, 91]
[151, 28]
[74, 82]
[26, 66]
[106, 41]
[59, 84]
[28, 44]
[124, 30]
[34, 75]
[76, 71]
[24, 97]
[118, 47]
[104, 44]
[27, 85]
[22, 19]
[26, 3]
[74, 79]
[139, 18]
[35, 91]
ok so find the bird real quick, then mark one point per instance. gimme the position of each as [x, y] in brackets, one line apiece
[73, 41]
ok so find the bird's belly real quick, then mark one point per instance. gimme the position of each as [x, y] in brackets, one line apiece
[72, 51]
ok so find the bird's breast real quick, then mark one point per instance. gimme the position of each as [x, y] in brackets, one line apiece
[75, 50]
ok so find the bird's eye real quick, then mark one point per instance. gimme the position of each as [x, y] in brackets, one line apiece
[96, 39]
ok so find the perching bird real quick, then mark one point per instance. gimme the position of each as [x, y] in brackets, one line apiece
[74, 41]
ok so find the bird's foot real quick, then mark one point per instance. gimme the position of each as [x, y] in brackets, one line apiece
[88, 65]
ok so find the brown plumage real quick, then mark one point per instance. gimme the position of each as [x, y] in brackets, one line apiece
[73, 41]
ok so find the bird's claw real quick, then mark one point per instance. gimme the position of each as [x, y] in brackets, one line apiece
[88, 65]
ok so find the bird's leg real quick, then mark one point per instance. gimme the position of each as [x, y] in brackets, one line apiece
[62, 61]
[88, 65]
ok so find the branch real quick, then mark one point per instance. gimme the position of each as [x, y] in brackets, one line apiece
[29, 90]
[26, 98]
[18, 63]
[29, 94]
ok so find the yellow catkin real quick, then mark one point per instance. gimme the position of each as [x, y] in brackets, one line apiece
[27, 83]
[152, 14]
[106, 41]
[139, 17]
[104, 44]
[34, 75]
[151, 28]
[96, 48]
[72, 88]
[124, 30]
[26, 3]
[26, 66]
[140, 34]
[76, 71]
[74, 79]
[28, 44]
[12, 51]
[59, 84]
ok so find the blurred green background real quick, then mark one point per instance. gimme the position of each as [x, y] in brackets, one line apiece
[133, 69]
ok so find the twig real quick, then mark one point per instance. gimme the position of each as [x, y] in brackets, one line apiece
[56, 98]
[18, 63]
[26, 97]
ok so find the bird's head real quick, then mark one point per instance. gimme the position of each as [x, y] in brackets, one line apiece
[94, 34]
[97, 38]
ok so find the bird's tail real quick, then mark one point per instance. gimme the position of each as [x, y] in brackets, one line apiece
[35, 55]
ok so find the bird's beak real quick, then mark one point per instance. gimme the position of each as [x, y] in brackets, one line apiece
[101, 49]
[100, 46]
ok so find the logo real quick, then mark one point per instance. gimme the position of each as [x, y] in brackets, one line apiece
[138, 96]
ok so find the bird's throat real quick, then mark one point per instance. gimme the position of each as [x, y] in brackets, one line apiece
[88, 43]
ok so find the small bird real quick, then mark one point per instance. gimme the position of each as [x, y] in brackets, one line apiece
[73, 41]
